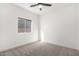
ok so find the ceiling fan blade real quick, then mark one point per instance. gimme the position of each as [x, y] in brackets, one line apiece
[45, 4]
[34, 5]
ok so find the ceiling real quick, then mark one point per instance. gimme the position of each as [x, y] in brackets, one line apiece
[55, 6]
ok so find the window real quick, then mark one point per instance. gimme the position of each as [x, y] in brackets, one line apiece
[24, 25]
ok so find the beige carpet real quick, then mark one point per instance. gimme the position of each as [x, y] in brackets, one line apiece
[40, 49]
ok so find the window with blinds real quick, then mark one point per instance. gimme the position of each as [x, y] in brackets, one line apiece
[24, 25]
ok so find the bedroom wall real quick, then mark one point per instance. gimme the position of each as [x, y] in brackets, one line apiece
[60, 26]
[78, 23]
[9, 36]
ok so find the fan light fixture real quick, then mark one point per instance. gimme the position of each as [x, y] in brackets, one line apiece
[41, 4]
[40, 7]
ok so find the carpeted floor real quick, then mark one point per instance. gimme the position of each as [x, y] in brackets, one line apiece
[40, 49]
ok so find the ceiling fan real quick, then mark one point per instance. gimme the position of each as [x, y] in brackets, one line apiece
[40, 5]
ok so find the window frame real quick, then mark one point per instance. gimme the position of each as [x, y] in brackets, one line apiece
[27, 25]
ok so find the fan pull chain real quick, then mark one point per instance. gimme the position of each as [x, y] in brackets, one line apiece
[40, 9]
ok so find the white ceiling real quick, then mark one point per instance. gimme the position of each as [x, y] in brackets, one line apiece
[55, 6]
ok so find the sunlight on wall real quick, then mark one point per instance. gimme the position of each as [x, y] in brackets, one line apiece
[42, 36]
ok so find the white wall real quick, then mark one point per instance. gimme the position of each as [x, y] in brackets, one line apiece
[60, 27]
[9, 36]
[78, 24]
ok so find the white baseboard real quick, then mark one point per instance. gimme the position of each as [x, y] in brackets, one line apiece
[18, 46]
[62, 45]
